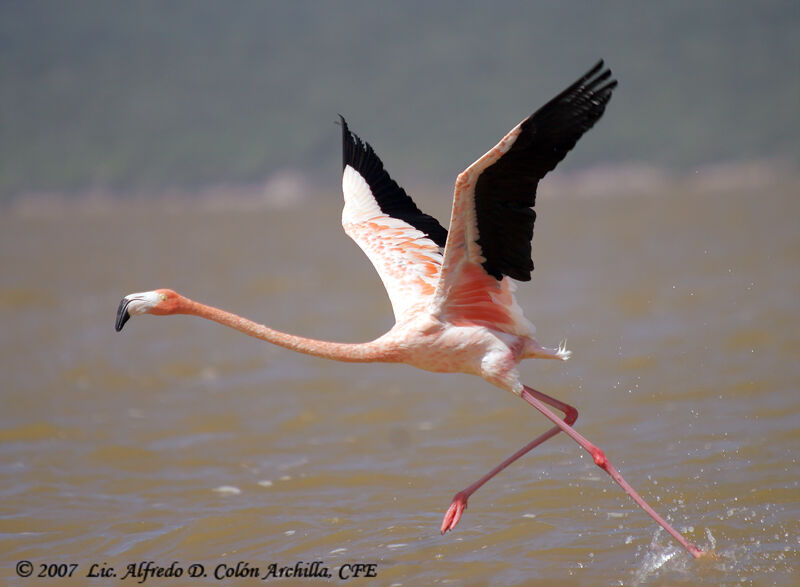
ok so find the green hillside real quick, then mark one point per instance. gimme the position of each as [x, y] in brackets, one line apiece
[146, 95]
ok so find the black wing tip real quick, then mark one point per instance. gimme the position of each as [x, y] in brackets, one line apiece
[390, 197]
[609, 86]
[546, 137]
[587, 97]
[592, 80]
[348, 142]
[356, 152]
[595, 68]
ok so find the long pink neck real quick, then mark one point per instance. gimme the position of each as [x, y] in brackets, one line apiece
[349, 352]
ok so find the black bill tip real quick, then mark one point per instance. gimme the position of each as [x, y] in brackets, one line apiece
[122, 314]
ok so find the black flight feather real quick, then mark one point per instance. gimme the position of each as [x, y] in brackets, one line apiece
[505, 192]
[391, 198]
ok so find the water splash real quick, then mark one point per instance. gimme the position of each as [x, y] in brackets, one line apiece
[658, 557]
[669, 558]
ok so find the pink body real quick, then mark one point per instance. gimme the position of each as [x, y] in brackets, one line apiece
[454, 310]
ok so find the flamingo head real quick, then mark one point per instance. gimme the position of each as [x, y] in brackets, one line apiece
[160, 302]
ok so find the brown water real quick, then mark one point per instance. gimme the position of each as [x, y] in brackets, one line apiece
[178, 440]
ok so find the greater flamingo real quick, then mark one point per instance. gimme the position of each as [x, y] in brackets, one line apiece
[451, 292]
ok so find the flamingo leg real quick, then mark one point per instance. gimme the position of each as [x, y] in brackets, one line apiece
[459, 503]
[534, 398]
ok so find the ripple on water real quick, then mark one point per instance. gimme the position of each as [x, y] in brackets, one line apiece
[179, 440]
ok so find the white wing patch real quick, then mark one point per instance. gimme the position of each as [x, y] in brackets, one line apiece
[359, 204]
[407, 261]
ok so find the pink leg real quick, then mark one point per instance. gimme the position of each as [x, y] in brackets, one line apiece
[533, 397]
[459, 504]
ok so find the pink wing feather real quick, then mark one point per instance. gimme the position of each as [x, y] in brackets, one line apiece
[491, 224]
[466, 293]
[407, 261]
[403, 244]
[492, 220]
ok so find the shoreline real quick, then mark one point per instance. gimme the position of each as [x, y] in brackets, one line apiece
[289, 189]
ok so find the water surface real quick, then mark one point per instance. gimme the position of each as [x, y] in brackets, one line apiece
[179, 440]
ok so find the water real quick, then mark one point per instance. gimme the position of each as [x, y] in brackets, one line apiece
[178, 440]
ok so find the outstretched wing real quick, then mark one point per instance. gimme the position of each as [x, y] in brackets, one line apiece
[492, 219]
[404, 244]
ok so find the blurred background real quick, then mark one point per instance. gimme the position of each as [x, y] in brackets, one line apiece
[192, 145]
[148, 96]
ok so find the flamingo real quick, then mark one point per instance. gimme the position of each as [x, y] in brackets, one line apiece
[452, 291]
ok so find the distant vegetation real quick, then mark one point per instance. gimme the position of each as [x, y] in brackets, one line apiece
[147, 95]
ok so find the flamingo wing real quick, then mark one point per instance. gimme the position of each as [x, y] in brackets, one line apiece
[404, 244]
[491, 226]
